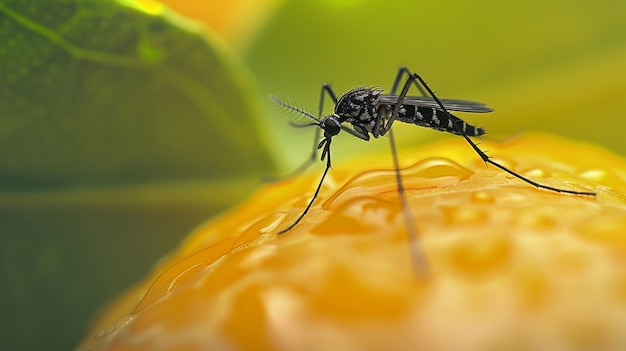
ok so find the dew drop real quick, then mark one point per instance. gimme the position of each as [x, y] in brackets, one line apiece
[480, 255]
[359, 215]
[454, 215]
[593, 174]
[120, 323]
[429, 173]
[515, 197]
[107, 334]
[265, 225]
[532, 286]
[607, 177]
[438, 167]
[182, 271]
[538, 219]
[608, 231]
[481, 197]
[537, 173]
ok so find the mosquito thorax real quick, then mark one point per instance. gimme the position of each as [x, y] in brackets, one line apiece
[358, 104]
[331, 125]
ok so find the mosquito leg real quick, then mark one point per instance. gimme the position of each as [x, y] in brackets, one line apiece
[396, 83]
[325, 153]
[326, 89]
[486, 158]
[304, 166]
[416, 253]
[396, 109]
[418, 258]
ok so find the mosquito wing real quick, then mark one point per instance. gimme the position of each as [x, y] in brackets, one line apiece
[450, 104]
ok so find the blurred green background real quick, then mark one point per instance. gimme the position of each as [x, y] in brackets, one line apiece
[557, 66]
[121, 130]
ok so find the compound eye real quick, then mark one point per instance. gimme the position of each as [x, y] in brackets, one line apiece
[331, 126]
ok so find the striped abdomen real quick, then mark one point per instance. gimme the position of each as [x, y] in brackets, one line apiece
[433, 118]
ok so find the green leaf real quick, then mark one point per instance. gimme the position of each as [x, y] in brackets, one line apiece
[120, 130]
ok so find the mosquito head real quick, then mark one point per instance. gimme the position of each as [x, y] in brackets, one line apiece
[331, 126]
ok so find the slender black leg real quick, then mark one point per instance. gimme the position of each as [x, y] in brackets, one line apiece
[396, 109]
[325, 153]
[416, 252]
[401, 72]
[418, 258]
[480, 153]
[326, 89]
[394, 88]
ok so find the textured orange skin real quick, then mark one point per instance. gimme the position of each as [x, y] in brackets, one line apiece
[511, 267]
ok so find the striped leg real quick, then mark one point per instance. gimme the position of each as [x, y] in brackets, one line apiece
[460, 130]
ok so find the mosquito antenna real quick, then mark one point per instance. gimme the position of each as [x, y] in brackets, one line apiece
[293, 108]
[312, 157]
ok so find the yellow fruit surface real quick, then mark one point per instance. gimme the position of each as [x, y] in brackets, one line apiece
[509, 266]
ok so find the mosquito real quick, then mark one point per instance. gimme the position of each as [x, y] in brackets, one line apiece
[369, 112]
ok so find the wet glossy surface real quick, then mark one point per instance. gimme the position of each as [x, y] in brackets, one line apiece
[512, 267]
